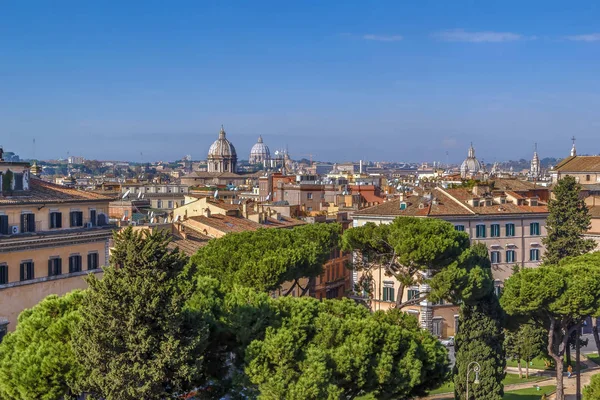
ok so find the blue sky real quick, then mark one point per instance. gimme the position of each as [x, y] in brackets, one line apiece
[380, 80]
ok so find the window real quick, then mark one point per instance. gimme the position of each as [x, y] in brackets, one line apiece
[510, 256]
[309, 196]
[76, 218]
[480, 232]
[388, 291]
[26, 271]
[437, 327]
[170, 204]
[93, 217]
[456, 324]
[587, 178]
[55, 220]
[92, 261]
[4, 228]
[495, 256]
[159, 204]
[3, 274]
[534, 229]
[534, 255]
[497, 288]
[402, 206]
[495, 230]
[460, 228]
[510, 229]
[27, 222]
[74, 263]
[413, 294]
[54, 266]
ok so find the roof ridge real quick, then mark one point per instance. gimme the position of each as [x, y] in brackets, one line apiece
[455, 200]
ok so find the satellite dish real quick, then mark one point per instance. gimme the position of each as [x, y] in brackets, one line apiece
[152, 220]
[126, 194]
[269, 197]
[124, 218]
[216, 195]
[139, 195]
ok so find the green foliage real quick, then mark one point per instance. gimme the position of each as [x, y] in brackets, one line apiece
[405, 247]
[592, 391]
[526, 342]
[36, 360]
[567, 221]
[479, 338]
[7, 178]
[137, 339]
[266, 258]
[336, 349]
[556, 298]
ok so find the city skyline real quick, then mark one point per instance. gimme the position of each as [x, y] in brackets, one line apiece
[391, 82]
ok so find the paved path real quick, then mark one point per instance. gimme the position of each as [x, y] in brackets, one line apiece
[586, 375]
[570, 384]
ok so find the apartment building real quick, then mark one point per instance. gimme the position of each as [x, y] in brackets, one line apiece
[50, 237]
[511, 223]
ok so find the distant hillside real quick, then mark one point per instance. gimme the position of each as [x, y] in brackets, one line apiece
[525, 164]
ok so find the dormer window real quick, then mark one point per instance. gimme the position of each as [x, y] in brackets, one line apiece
[475, 202]
[403, 206]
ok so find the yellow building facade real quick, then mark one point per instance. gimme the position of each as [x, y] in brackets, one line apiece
[51, 236]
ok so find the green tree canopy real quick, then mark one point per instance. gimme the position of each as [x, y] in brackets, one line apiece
[567, 221]
[36, 360]
[336, 349]
[136, 338]
[404, 248]
[266, 258]
[557, 298]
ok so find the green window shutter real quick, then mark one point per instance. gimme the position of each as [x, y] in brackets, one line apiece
[50, 272]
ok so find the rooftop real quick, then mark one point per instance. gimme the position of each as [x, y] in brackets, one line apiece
[579, 164]
[41, 192]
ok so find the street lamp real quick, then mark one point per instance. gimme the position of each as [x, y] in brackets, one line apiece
[476, 369]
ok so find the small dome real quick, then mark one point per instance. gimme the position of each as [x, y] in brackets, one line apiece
[260, 152]
[222, 147]
[471, 164]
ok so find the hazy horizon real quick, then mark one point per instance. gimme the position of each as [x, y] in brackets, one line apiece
[383, 81]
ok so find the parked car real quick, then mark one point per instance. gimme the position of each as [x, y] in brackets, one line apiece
[448, 342]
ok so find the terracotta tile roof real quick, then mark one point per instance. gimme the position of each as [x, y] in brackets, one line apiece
[44, 192]
[515, 184]
[192, 242]
[451, 202]
[579, 164]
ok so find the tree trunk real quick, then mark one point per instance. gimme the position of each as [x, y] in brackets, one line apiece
[560, 391]
[520, 371]
[595, 332]
[577, 369]
[400, 296]
[527, 370]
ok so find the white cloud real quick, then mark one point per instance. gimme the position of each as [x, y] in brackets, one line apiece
[383, 38]
[590, 37]
[460, 35]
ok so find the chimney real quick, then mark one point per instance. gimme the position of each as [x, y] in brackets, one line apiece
[207, 212]
[401, 197]
[245, 210]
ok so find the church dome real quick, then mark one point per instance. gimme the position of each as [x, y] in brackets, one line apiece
[260, 152]
[471, 164]
[222, 147]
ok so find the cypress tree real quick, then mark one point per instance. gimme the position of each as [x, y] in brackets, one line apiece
[137, 339]
[567, 221]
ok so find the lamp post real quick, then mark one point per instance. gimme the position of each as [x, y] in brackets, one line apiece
[476, 369]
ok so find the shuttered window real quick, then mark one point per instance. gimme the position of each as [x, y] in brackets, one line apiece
[54, 266]
[76, 218]
[55, 220]
[93, 218]
[3, 274]
[4, 228]
[26, 271]
[27, 222]
[92, 261]
[74, 263]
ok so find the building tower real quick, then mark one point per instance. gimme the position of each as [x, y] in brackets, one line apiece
[471, 165]
[260, 153]
[535, 171]
[573, 149]
[221, 155]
